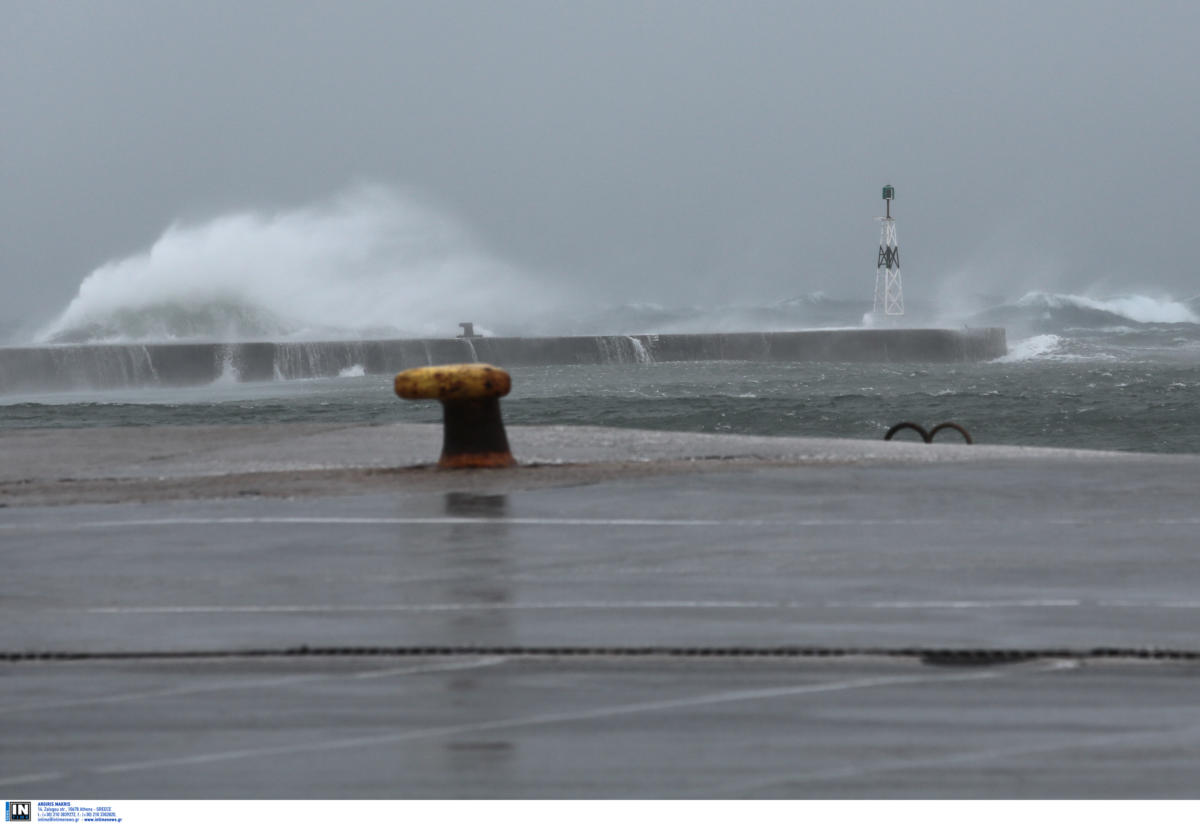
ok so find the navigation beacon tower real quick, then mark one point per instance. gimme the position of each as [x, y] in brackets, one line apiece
[889, 294]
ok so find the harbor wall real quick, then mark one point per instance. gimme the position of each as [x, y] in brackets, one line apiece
[103, 366]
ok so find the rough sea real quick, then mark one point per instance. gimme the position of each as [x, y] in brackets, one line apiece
[1121, 373]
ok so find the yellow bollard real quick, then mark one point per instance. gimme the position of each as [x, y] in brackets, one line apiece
[473, 436]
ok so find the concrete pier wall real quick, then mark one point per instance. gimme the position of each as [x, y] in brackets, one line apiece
[103, 366]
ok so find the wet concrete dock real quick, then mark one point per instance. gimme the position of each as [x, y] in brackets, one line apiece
[312, 611]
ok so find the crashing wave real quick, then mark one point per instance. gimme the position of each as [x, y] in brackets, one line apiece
[367, 262]
[1039, 346]
[174, 321]
[1049, 313]
[1137, 308]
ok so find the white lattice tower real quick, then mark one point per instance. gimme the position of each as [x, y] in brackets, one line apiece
[889, 291]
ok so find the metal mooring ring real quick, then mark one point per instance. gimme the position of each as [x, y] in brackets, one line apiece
[950, 425]
[908, 425]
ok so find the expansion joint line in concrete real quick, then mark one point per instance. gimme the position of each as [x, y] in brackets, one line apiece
[964, 656]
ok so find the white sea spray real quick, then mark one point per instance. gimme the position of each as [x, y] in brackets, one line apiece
[1039, 346]
[370, 261]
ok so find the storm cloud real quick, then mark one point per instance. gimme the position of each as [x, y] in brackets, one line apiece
[675, 152]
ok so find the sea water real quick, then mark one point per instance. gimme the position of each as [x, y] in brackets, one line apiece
[1039, 400]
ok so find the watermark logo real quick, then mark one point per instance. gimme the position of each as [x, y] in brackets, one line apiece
[18, 811]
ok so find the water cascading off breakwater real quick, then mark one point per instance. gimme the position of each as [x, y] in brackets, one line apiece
[106, 366]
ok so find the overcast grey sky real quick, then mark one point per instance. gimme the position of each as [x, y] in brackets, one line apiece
[659, 151]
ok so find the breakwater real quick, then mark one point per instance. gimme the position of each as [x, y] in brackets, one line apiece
[103, 366]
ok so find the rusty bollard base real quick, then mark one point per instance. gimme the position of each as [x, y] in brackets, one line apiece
[473, 436]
